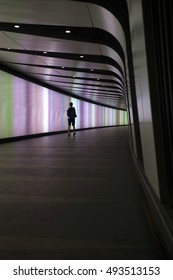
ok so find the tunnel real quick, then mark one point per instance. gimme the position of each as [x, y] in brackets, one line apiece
[106, 191]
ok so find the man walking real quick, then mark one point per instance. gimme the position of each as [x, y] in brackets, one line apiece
[71, 113]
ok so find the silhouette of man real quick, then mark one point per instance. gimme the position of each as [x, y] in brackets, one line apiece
[71, 113]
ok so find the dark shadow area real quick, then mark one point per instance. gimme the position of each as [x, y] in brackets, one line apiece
[74, 198]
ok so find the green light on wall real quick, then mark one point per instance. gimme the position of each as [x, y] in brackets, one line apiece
[125, 121]
[6, 105]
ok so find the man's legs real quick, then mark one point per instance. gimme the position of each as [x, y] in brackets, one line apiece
[73, 124]
[69, 124]
[74, 130]
[68, 130]
[71, 121]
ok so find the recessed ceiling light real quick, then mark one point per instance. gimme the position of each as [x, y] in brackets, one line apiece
[62, 67]
[68, 31]
[17, 26]
[44, 52]
[81, 56]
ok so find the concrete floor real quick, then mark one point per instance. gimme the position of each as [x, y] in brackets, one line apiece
[73, 198]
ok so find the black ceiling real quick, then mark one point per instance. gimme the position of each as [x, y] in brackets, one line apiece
[89, 62]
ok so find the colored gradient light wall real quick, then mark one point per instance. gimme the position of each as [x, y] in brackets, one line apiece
[27, 108]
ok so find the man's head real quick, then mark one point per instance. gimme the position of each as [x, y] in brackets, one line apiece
[71, 104]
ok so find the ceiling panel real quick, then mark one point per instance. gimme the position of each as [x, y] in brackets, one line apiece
[88, 62]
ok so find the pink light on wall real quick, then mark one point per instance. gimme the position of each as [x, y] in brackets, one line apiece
[27, 108]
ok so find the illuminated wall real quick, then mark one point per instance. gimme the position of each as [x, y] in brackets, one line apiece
[27, 108]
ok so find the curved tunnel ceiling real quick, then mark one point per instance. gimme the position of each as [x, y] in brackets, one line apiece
[76, 48]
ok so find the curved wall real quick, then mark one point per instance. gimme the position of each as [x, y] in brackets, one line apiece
[145, 36]
[27, 108]
[143, 93]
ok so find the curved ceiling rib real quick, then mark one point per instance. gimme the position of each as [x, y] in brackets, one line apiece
[81, 52]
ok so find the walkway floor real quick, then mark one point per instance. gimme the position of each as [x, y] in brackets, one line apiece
[73, 198]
